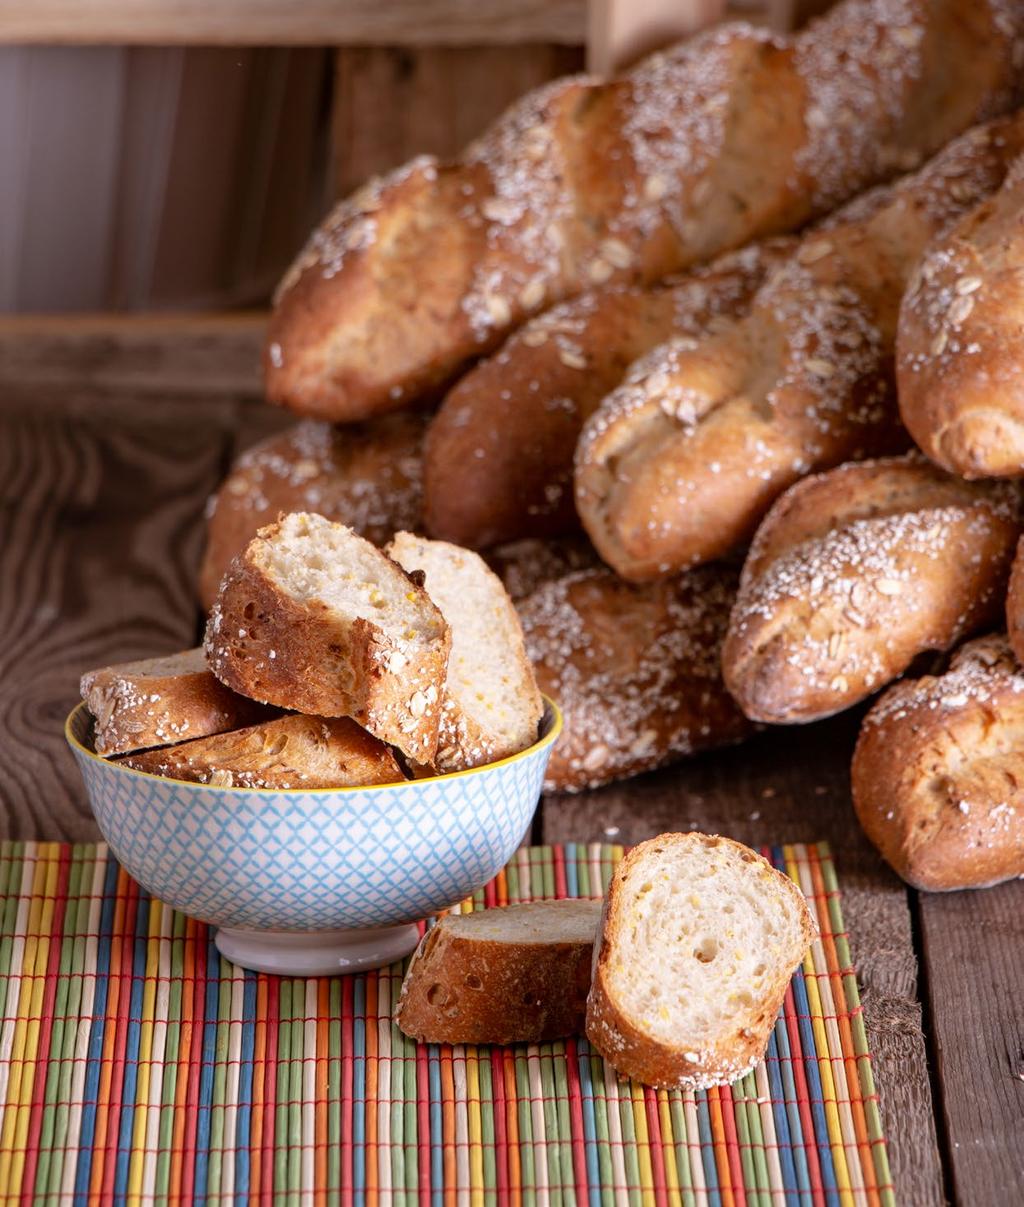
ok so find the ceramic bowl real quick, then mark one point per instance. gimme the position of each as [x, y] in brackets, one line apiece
[309, 883]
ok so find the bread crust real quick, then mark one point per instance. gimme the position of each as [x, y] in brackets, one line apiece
[463, 990]
[419, 273]
[635, 671]
[959, 360]
[160, 701]
[857, 571]
[287, 753]
[525, 565]
[366, 476]
[938, 772]
[1015, 603]
[499, 453]
[638, 1055]
[265, 644]
[680, 464]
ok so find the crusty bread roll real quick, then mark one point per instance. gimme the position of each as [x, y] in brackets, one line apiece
[491, 707]
[287, 753]
[159, 701]
[699, 939]
[314, 618]
[960, 354]
[524, 565]
[635, 671]
[678, 466]
[513, 975]
[857, 571]
[499, 453]
[1015, 603]
[938, 773]
[586, 181]
[368, 476]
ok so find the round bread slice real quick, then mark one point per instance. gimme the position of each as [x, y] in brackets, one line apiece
[699, 939]
[313, 618]
[491, 705]
[517, 974]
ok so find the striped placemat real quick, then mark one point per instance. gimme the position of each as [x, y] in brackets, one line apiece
[137, 1066]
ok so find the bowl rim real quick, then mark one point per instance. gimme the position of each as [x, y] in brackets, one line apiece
[551, 710]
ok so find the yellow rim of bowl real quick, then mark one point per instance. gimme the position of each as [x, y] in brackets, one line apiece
[119, 768]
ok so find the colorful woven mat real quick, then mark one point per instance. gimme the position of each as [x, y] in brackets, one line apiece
[137, 1066]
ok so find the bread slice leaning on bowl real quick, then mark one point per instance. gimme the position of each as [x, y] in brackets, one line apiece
[699, 939]
[287, 753]
[491, 706]
[312, 617]
[516, 974]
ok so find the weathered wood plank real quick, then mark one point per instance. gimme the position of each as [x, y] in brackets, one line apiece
[391, 104]
[101, 509]
[973, 947]
[293, 22]
[621, 31]
[173, 355]
[792, 786]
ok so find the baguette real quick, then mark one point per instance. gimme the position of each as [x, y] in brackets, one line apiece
[314, 618]
[699, 939]
[287, 753]
[938, 773]
[159, 701]
[499, 453]
[517, 974]
[857, 571]
[586, 181]
[960, 362]
[367, 476]
[678, 466]
[491, 707]
[635, 670]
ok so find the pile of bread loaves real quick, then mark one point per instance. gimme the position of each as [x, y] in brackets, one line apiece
[649, 326]
[382, 679]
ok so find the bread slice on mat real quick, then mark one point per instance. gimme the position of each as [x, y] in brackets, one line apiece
[289, 752]
[365, 475]
[159, 701]
[491, 703]
[518, 974]
[314, 618]
[699, 939]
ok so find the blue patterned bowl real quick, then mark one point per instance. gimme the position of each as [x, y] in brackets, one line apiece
[314, 882]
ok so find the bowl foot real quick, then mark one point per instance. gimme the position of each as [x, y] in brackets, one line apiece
[316, 953]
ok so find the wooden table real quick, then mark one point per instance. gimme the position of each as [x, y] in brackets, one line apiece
[101, 528]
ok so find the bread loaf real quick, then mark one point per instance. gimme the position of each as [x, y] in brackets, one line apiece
[524, 565]
[288, 753]
[699, 939]
[490, 707]
[159, 701]
[635, 670]
[585, 182]
[960, 357]
[499, 453]
[514, 975]
[857, 571]
[314, 618]
[938, 773]
[367, 476]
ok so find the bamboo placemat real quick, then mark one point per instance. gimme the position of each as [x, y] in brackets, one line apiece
[137, 1066]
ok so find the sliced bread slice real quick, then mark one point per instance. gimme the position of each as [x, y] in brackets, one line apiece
[312, 617]
[491, 703]
[290, 752]
[159, 701]
[517, 974]
[699, 939]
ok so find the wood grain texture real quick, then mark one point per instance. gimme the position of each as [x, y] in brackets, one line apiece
[973, 949]
[791, 785]
[174, 355]
[292, 22]
[621, 31]
[391, 103]
[100, 526]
